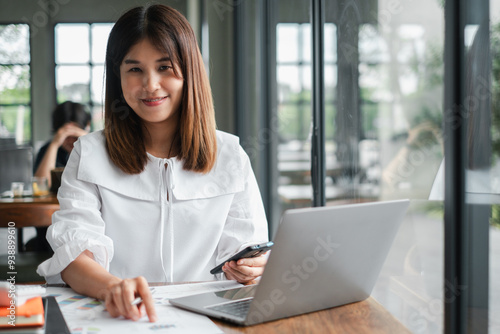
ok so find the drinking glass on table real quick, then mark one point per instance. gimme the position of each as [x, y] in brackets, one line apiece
[17, 189]
[40, 186]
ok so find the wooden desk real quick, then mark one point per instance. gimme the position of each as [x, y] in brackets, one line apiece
[28, 211]
[367, 316]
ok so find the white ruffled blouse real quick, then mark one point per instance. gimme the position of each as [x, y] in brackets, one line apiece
[166, 224]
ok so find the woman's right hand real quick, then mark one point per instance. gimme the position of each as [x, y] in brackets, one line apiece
[87, 277]
[118, 299]
[68, 130]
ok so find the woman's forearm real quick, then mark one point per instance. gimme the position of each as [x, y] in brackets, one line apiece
[88, 277]
[48, 163]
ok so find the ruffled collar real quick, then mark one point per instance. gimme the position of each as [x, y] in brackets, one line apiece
[226, 177]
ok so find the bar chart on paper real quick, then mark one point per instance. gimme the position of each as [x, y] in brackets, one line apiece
[86, 315]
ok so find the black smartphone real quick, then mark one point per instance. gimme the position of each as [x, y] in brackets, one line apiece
[250, 251]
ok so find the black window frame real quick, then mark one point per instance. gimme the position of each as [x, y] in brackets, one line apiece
[90, 64]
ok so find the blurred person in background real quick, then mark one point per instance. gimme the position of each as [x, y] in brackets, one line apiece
[70, 120]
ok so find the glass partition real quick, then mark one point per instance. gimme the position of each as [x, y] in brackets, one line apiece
[493, 246]
[400, 98]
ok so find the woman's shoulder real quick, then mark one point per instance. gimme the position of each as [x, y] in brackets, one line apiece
[224, 178]
[226, 136]
[229, 149]
[93, 138]
[94, 159]
[227, 142]
[227, 139]
[92, 143]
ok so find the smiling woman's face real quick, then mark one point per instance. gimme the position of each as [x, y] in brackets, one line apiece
[150, 86]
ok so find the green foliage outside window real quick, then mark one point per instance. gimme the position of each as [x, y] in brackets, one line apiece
[15, 81]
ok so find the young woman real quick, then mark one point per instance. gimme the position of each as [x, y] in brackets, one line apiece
[159, 195]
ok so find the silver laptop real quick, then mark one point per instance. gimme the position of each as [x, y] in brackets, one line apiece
[322, 257]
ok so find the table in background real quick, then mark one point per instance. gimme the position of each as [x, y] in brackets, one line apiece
[27, 212]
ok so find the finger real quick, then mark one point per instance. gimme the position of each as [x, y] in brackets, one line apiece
[250, 267]
[230, 275]
[116, 295]
[259, 261]
[238, 273]
[77, 132]
[240, 278]
[147, 298]
[70, 129]
[246, 273]
[229, 272]
[110, 305]
[128, 293]
[71, 125]
[61, 135]
[75, 126]
[123, 298]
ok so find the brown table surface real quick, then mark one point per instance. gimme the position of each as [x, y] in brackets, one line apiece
[28, 211]
[367, 316]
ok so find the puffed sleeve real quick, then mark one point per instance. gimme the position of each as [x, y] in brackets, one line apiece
[78, 225]
[246, 223]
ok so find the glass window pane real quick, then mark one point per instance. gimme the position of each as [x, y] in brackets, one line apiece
[373, 48]
[412, 44]
[399, 151]
[15, 122]
[305, 43]
[100, 33]
[15, 84]
[330, 77]
[97, 85]
[295, 120]
[72, 83]
[306, 78]
[288, 82]
[294, 79]
[14, 41]
[72, 43]
[494, 228]
[294, 153]
[330, 126]
[288, 39]
[294, 82]
[97, 117]
[330, 43]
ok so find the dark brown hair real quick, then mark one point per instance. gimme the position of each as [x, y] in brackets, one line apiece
[170, 32]
[70, 112]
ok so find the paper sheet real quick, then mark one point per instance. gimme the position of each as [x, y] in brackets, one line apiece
[86, 315]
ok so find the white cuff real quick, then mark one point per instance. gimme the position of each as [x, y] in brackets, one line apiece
[64, 255]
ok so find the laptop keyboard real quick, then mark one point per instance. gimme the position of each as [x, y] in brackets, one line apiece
[238, 308]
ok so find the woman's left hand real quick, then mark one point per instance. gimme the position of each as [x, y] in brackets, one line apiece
[245, 270]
